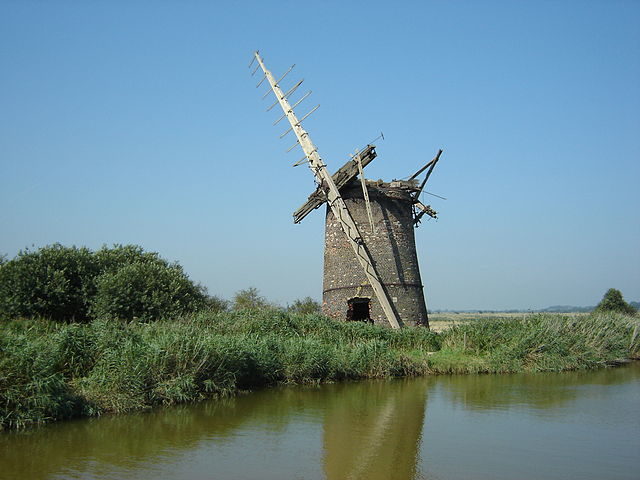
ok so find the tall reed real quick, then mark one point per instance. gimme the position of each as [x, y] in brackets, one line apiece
[51, 371]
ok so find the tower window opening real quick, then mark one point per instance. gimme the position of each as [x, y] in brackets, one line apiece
[358, 309]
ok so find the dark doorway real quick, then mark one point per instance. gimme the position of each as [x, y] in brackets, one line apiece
[358, 309]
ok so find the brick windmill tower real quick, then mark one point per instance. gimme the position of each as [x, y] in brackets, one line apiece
[371, 268]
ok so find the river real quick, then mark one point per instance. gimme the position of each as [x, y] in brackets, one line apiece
[576, 425]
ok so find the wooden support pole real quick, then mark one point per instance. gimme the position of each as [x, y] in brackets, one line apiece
[424, 182]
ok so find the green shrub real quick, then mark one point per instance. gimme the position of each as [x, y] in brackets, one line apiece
[146, 291]
[113, 258]
[614, 302]
[53, 282]
[249, 299]
[305, 306]
[216, 304]
[75, 284]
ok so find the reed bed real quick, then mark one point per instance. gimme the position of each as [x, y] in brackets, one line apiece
[51, 371]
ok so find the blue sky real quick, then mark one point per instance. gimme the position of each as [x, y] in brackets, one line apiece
[138, 122]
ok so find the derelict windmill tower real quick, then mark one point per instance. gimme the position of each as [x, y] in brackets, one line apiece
[371, 268]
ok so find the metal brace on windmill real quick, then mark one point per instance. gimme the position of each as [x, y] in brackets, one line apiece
[370, 262]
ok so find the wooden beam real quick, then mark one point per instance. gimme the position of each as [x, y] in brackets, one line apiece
[344, 174]
[424, 209]
[429, 163]
[424, 182]
[365, 192]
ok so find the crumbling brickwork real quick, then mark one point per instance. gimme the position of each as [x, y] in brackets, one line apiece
[392, 247]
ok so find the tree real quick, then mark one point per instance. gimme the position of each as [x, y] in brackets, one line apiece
[614, 302]
[304, 306]
[216, 304]
[249, 298]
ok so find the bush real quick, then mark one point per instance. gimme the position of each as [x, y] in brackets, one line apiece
[249, 299]
[76, 284]
[53, 282]
[216, 304]
[146, 291]
[305, 306]
[614, 302]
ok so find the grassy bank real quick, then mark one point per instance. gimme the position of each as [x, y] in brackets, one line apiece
[52, 371]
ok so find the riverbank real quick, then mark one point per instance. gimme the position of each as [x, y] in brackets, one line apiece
[51, 371]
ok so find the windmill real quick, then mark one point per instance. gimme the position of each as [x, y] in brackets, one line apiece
[371, 269]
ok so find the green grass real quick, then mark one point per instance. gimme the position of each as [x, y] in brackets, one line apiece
[51, 371]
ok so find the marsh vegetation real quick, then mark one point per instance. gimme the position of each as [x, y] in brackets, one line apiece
[85, 333]
[51, 371]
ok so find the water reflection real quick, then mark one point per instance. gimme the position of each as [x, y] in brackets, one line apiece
[125, 443]
[373, 431]
[365, 430]
[535, 392]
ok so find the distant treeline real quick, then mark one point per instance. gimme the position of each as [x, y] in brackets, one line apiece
[552, 309]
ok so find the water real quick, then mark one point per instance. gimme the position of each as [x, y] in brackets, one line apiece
[583, 425]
